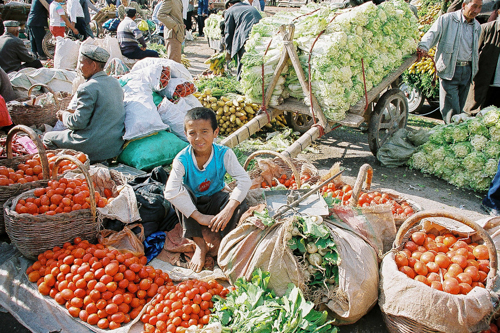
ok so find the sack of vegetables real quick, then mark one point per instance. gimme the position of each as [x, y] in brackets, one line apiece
[332, 265]
[439, 277]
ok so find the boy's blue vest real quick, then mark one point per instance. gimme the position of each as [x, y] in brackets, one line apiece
[209, 181]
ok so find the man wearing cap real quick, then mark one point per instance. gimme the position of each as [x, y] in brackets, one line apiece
[170, 15]
[128, 36]
[13, 54]
[457, 37]
[239, 19]
[95, 120]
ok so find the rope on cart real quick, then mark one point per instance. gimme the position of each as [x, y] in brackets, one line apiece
[364, 83]
[314, 11]
[263, 106]
[321, 129]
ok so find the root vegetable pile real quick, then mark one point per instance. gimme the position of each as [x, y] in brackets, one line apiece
[100, 286]
[445, 262]
[62, 196]
[175, 308]
[32, 170]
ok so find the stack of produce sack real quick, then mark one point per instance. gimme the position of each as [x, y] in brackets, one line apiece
[380, 35]
[465, 154]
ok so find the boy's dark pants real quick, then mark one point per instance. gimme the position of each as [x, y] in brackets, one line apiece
[211, 205]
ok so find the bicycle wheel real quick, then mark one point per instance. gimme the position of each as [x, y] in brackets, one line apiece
[49, 45]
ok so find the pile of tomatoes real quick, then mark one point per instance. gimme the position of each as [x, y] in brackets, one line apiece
[100, 286]
[61, 196]
[444, 262]
[32, 170]
[344, 194]
[289, 183]
[176, 308]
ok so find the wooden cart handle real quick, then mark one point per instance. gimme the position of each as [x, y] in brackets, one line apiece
[416, 218]
[365, 175]
[58, 104]
[85, 172]
[39, 146]
[283, 157]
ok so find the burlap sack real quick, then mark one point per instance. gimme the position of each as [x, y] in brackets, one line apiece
[405, 298]
[252, 245]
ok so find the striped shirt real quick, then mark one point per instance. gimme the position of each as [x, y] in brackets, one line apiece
[465, 43]
[129, 36]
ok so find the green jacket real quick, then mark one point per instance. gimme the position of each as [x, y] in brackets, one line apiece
[98, 123]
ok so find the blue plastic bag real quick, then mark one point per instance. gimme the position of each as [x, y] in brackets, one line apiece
[153, 244]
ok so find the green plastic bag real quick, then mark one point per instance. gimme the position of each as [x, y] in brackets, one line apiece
[152, 151]
[157, 98]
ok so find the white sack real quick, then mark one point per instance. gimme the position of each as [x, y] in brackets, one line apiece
[172, 84]
[108, 43]
[66, 55]
[56, 79]
[141, 115]
[176, 70]
[173, 114]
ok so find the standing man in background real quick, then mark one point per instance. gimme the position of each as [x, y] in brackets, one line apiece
[457, 37]
[170, 15]
[37, 22]
[202, 16]
[239, 19]
[485, 90]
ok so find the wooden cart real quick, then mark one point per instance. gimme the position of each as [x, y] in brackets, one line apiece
[384, 109]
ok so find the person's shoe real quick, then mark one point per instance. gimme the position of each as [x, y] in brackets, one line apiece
[490, 211]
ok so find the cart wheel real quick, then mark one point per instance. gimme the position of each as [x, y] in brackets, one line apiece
[389, 115]
[95, 28]
[414, 96]
[157, 39]
[194, 23]
[300, 122]
[49, 45]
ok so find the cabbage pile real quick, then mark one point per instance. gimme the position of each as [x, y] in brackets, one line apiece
[466, 154]
[380, 35]
[212, 26]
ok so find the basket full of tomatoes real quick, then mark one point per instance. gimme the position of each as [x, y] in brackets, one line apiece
[39, 219]
[23, 173]
[437, 279]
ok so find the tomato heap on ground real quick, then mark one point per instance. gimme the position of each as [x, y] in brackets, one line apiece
[32, 170]
[61, 196]
[444, 262]
[176, 308]
[288, 182]
[102, 287]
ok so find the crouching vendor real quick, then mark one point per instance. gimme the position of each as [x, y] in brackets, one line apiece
[96, 119]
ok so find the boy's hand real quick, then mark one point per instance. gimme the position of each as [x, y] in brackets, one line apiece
[220, 220]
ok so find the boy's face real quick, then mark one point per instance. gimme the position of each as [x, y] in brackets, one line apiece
[201, 135]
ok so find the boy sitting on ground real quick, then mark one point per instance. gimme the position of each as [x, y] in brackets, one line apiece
[196, 182]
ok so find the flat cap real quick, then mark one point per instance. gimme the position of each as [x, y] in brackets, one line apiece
[95, 53]
[10, 23]
[231, 2]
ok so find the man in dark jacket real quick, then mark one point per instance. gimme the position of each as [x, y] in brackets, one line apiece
[239, 19]
[13, 54]
[37, 22]
[486, 84]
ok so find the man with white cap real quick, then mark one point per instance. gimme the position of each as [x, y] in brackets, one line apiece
[96, 115]
[13, 53]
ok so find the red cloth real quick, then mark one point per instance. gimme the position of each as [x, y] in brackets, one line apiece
[57, 31]
[4, 114]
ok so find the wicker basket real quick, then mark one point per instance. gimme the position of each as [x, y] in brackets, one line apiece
[400, 324]
[288, 166]
[365, 176]
[30, 115]
[9, 191]
[34, 234]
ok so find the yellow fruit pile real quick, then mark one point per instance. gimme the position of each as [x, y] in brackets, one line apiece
[431, 15]
[217, 62]
[425, 65]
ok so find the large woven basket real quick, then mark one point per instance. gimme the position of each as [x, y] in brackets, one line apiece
[400, 324]
[30, 115]
[9, 191]
[365, 176]
[34, 234]
[288, 166]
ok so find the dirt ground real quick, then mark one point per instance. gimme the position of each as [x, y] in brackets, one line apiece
[350, 147]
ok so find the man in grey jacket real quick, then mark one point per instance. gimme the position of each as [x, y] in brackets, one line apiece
[96, 119]
[457, 36]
